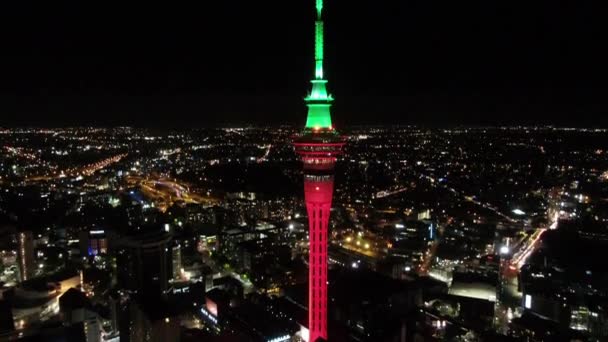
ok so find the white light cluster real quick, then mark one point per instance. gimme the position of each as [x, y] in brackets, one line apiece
[280, 339]
[209, 315]
[528, 302]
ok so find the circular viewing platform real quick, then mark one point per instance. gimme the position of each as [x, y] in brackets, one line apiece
[319, 148]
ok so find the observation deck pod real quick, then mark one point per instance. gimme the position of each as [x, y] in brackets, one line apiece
[319, 148]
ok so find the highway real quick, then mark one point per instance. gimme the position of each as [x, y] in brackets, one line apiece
[386, 193]
[85, 170]
[528, 247]
[165, 192]
[265, 156]
[470, 198]
[520, 258]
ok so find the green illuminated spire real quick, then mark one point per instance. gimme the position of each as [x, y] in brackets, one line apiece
[318, 101]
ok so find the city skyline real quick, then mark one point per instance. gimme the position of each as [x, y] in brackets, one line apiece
[465, 233]
[161, 179]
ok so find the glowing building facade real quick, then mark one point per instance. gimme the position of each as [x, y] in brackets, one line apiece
[26, 254]
[318, 146]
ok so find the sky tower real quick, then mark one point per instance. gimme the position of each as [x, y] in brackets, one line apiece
[318, 146]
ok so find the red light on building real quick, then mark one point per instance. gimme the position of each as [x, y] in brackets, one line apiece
[211, 307]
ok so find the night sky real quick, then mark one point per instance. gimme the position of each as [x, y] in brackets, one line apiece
[249, 62]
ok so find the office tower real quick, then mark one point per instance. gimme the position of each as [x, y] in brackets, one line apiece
[25, 240]
[93, 242]
[176, 259]
[144, 262]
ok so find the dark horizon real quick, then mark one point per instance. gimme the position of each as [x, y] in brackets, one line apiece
[158, 127]
[249, 63]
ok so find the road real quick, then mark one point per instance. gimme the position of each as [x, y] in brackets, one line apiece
[265, 156]
[520, 257]
[429, 256]
[386, 193]
[80, 171]
[165, 192]
[471, 199]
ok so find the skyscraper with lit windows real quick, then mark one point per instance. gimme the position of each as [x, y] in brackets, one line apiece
[25, 254]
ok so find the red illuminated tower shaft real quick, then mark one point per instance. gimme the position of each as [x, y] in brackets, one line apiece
[318, 191]
[318, 150]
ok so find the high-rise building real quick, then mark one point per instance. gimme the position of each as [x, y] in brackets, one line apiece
[145, 263]
[25, 254]
[176, 259]
[76, 311]
[93, 242]
[152, 320]
[318, 146]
